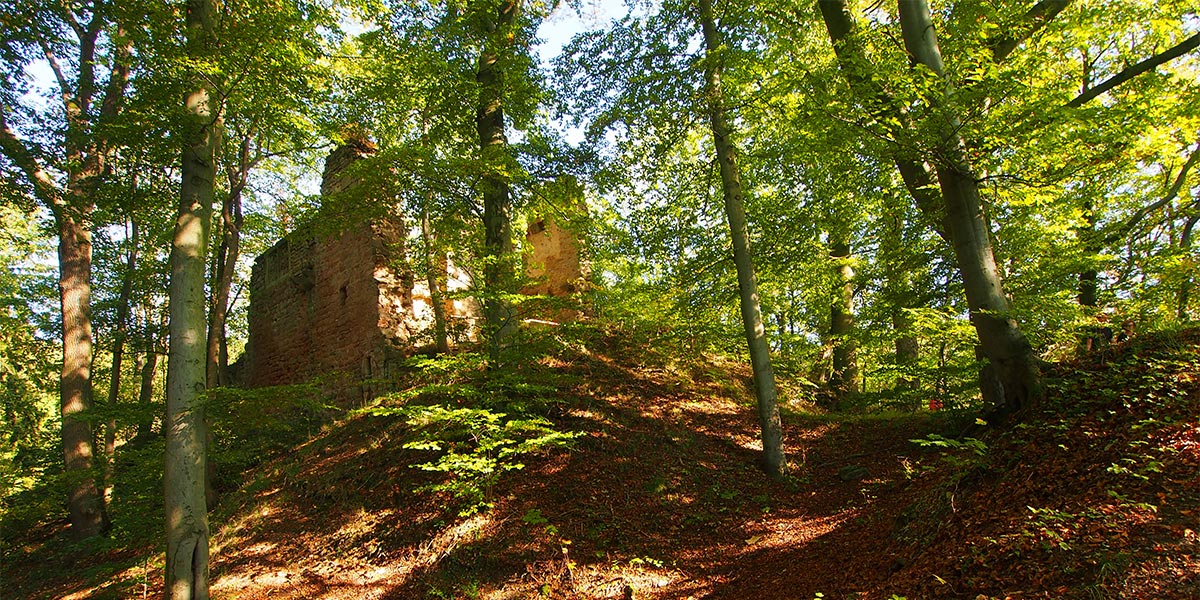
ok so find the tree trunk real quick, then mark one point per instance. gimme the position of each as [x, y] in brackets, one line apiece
[231, 243]
[907, 349]
[435, 273]
[1185, 286]
[844, 378]
[85, 150]
[1089, 291]
[1001, 339]
[146, 365]
[898, 261]
[227, 256]
[184, 477]
[499, 272]
[85, 504]
[774, 461]
[120, 335]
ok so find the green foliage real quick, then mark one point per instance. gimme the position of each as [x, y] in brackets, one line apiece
[28, 378]
[938, 442]
[477, 424]
[963, 454]
[250, 425]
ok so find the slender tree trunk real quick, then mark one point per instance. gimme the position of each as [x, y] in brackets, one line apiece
[774, 461]
[907, 348]
[227, 256]
[1089, 292]
[899, 294]
[146, 364]
[499, 271]
[85, 504]
[844, 378]
[120, 335]
[232, 221]
[1000, 337]
[1185, 287]
[184, 478]
[435, 273]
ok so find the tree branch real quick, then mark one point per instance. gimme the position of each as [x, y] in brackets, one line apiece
[854, 65]
[118, 78]
[1036, 18]
[64, 85]
[1173, 192]
[69, 18]
[1134, 70]
[44, 187]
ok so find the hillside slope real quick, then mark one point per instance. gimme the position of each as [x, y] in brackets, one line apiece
[656, 495]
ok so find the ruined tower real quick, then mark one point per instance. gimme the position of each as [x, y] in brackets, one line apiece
[343, 303]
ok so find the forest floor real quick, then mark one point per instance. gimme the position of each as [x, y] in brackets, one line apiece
[1096, 494]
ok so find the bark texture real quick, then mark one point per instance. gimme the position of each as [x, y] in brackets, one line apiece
[84, 504]
[844, 378]
[774, 460]
[184, 476]
[499, 272]
[1001, 339]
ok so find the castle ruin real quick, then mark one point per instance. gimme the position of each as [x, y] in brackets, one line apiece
[348, 304]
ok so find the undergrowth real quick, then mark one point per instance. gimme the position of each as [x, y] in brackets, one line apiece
[472, 423]
[1087, 498]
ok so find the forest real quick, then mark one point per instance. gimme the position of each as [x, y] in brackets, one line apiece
[871, 299]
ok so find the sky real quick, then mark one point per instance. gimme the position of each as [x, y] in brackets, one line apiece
[565, 22]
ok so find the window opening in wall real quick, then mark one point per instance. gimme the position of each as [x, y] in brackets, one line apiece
[344, 293]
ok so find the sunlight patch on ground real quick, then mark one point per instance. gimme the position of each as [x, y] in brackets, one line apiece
[242, 529]
[599, 582]
[445, 542]
[80, 595]
[348, 578]
[752, 443]
[328, 463]
[711, 407]
[553, 362]
[782, 533]
[812, 434]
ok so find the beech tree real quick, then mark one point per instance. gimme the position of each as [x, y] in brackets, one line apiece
[447, 86]
[272, 102]
[498, 33]
[184, 478]
[965, 223]
[627, 97]
[62, 162]
[735, 213]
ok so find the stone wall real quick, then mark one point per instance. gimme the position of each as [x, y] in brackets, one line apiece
[346, 305]
[554, 260]
[313, 307]
[343, 305]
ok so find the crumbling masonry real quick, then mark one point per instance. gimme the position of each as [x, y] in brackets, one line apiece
[346, 304]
